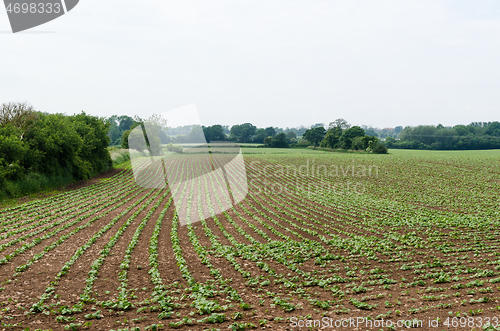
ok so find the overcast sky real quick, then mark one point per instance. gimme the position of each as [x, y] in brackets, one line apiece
[272, 63]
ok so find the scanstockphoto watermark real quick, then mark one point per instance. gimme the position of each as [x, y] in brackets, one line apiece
[26, 14]
[310, 178]
[368, 322]
[312, 169]
[357, 322]
[171, 150]
[310, 189]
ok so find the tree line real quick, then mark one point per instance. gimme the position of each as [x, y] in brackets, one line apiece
[477, 135]
[121, 126]
[40, 150]
[337, 135]
[340, 135]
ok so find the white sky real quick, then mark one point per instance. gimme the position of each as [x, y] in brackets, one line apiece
[275, 62]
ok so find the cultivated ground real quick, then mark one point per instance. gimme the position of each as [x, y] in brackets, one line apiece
[407, 236]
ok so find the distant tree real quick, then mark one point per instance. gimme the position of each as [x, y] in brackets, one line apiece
[214, 133]
[422, 133]
[114, 134]
[349, 135]
[279, 141]
[182, 138]
[371, 132]
[357, 144]
[390, 141]
[270, 131]
[370, 141]
[125, 122]
[260, 135]
[117, 126]
[19, 114]
[154, 127]
[196, 135]
[113, 120]
[315, 136]
[380, 148]
[125, 135]
[462, 130]
[332, 137]
[386, 133]
[493, 129]
[243, 132]
[318, 125]
[339, 123]
[164, 138]
[398, 129]
[291, 135]
[137, 138]
[268, 140]
[300, 130]
[477, 135]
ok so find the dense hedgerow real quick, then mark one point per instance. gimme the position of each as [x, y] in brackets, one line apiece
[49, 150]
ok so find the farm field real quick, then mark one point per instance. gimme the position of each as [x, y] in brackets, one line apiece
[412, 235]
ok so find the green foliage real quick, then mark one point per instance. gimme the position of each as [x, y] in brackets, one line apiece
[214, 133]
[20, 115]
[278, 141]
[12, 153]
[460, 137]
[51, 148]
[270, 131]
[332, 138]
[357, 144]
[315, 136]
[291, 135]
[260, 135]
[379, 148]
[125, 136]
[348, 136]
[118, 125]
[126, 133]
[243, 132]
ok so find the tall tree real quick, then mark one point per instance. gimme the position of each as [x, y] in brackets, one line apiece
[243, 132]
[279, 141]
[339, 123]
[349, 135]
[315, 135]
[260, 135]
[332, 137]
[19, 114]
[493, 129]
[214, 133]
[270, 132]
[291, 135]
[125, 122]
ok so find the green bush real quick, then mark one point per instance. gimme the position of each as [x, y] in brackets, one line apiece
[379, 148]
[53, 150]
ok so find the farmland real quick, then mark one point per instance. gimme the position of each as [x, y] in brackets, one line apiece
[405, 236]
